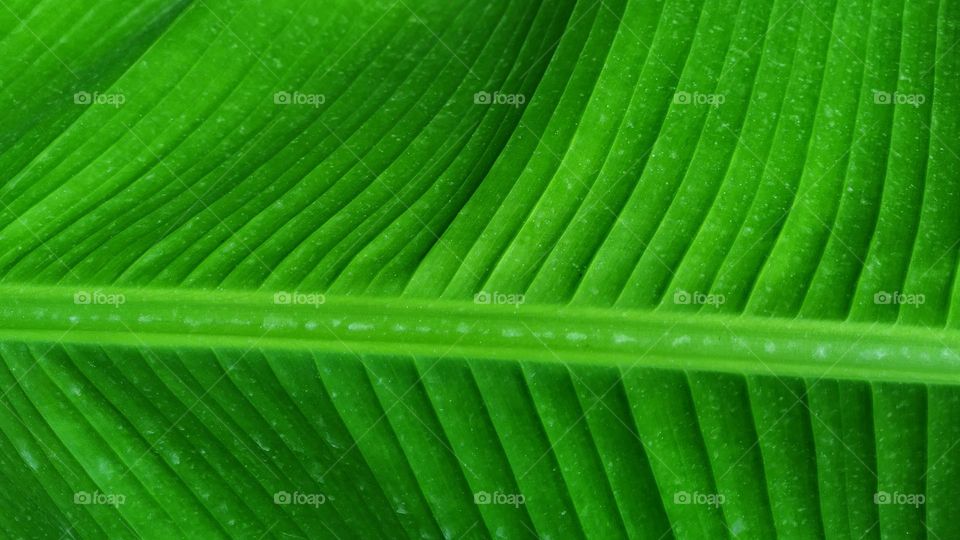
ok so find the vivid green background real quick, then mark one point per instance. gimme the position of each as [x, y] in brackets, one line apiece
[644, 269]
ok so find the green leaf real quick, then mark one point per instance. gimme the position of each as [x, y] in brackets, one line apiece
[424, 269]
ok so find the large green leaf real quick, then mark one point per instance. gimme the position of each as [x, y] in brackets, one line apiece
[426, 269]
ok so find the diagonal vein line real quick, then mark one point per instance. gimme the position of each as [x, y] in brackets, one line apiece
[359, 40]
[941, 57]
[617, 218]
[535, 265]
[376, 178]
[598, 401]
[553, 45]
[56, 342]
[242, 42]
[233, 233]
[28, 29]
[360, 238]
[433, 433]
[799, 196]
[763, 37]
[800, 399]
[440, 41]
[356, 440]
[195, 403]
[199, 199]
[835, 36]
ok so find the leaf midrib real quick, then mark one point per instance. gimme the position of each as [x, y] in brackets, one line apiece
[548, 333]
